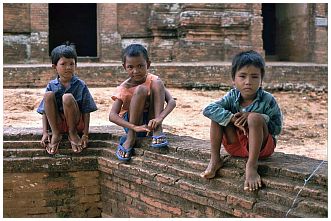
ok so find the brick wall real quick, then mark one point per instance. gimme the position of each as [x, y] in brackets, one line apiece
[180, 75]
[156, 183]
[319, 33]
[16, 32]
[175, 32]
[53, 194]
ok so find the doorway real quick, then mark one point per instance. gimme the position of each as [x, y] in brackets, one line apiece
[269, 30]
[76, 23]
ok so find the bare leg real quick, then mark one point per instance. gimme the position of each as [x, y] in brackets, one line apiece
[135, 115]
[53, 118]
[258, 134]
[216, 136]
[72, 115]
[157, 102]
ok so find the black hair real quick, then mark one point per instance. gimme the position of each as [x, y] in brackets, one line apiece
[247, 58]
[65, 50]
[135, 50]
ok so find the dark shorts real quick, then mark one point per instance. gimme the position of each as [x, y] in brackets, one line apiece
[240, 149]
[145, 121]
[63, 126]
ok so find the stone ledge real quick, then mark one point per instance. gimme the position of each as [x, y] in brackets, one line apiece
[154, 177]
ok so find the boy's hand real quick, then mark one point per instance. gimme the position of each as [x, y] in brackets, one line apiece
[240, 121]
[45, 140]
[84, 141]
[141, 128]
[153, 123]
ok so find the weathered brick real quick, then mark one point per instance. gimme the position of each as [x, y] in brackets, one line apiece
[126, 191]
[245, 214]
[85, 181]
[161, 205]
[240, 201]
[89, 198]
[313, 207]
[166, 179]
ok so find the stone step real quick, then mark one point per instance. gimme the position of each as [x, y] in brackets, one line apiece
[307, 206]
[201, 192]
[173, 173]
[163, 182]
[167, 169]
[58, 163]
[64, 144]
[167, 156]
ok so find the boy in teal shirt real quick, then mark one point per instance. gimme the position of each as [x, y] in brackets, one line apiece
[247, 120]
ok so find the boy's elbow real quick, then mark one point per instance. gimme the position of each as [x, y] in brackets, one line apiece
[205, 112]
[173, 103]
[111, 117]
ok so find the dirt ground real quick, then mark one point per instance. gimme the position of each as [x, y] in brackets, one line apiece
[305, 116]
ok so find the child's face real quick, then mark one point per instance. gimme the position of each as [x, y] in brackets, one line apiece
[248, 80]
[136, 67]
[65, 67]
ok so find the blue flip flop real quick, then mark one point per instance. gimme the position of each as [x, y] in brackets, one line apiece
[159, 145]
[121, 148]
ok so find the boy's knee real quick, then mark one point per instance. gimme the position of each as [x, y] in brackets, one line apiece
[157, 85]
[255, 119]
[49, 95]
[141, 90]
[67, 99]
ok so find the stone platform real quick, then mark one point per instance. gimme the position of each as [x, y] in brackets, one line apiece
[156, 183]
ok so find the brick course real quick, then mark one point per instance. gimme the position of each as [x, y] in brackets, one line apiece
[282, 76]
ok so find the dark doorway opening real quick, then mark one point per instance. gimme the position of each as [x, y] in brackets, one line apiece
[269, 29]
[76, 23]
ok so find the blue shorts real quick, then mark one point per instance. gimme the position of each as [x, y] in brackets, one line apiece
[145, 121]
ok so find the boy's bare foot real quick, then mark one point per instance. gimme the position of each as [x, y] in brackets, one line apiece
[253, 179]
[211, 170]
[53, 146]
[128, 143]
[74, 140]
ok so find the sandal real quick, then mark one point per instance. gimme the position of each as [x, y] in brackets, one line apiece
[53, 146]
[76, 147]
[128, 151]
[159, 141]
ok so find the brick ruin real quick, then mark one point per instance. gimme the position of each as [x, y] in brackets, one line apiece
[156, 183]
[189, 32]
[190, 45]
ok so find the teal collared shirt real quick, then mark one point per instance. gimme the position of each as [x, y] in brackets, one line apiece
[77, 88]
[222, 110]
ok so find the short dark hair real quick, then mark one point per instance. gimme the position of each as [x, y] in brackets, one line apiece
[247, 58]
[135, 50]
[65, 50]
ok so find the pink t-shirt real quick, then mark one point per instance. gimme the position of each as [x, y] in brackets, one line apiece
[125, 94]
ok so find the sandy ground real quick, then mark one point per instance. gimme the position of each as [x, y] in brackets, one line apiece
[305, 116]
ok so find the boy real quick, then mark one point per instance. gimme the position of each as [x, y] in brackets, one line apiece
[246, 120]
[67, 103]
[139, 103]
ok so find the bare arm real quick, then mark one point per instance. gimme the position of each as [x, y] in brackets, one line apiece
[171, 104]
[84, 139]
[45, 124]
[86, 119]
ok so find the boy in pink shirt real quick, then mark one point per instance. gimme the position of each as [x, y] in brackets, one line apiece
[139, 102]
